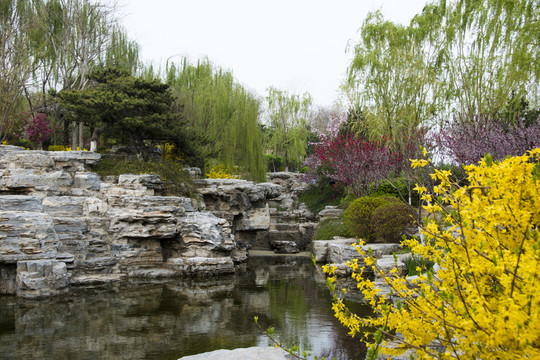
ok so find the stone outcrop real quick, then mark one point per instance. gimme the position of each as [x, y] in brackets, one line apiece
[61, 225]
[264, 216]
[339, 251]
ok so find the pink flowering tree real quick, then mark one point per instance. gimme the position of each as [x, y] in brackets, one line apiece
[358, 163]
[38, 129]
[466, 141]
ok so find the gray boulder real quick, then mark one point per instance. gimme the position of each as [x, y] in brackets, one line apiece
[253, 353]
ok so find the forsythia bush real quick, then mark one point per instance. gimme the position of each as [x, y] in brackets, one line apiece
[484, 301]
[220, 172]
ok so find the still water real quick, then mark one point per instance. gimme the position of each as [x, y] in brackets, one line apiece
[172, 319]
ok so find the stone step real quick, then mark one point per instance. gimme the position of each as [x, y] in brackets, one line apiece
[202, 265]
[153, 273]
[94, 279]
[284, 219]
[284, 227]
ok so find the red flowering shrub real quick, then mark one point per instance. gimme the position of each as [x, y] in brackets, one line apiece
[38, 129]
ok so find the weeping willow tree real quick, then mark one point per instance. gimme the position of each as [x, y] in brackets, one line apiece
[466, 56]
[122, 52]
[288, 133]
[393, 81]
[15, 61]
[214, 106]
[492, 51]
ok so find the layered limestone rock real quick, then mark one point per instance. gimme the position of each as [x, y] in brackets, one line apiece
[264, 216]
[60, 225]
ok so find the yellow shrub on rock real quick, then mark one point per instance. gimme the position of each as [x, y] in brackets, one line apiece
[484, 301]
[220, 172]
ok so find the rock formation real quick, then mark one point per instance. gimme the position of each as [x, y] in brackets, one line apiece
[61, 225]
[264, 216]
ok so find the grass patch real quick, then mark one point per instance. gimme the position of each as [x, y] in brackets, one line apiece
[415, 263]
[177, 182]
[317, 197]
[328, 228]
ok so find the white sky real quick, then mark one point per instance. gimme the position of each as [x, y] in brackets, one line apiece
[293, 45]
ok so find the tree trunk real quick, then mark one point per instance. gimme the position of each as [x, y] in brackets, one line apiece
[81, 141]
[73, 135]
[96, 132]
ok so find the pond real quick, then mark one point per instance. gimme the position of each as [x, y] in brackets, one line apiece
[168, 320]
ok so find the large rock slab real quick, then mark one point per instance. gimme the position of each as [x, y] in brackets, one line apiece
[27, 159]
[341, 250]
[235, 195]
[202, 232]
[64, 206]
[331, 212]
[20, 203]
[253, 353]
[42, 183]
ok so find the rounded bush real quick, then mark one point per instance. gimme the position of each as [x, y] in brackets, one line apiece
[391, 221]
[357, 217]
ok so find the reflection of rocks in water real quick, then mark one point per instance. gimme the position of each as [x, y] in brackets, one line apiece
[203, 290]
[261, 276]
[171, 319]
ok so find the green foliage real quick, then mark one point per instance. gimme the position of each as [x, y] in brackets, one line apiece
[358, 216]
[394, 187]
[177, 182]
[288, 132]
[221, 114]
[345, 201]
[124, 107]
[391, 221]
[320, 195]
[274, 162]
[328, 228]
[471, 57]
[414, 262]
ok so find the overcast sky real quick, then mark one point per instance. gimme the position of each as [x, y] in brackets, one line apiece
[293, 45]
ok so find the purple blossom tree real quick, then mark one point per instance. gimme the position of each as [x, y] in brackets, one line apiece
[358, 163]
[467, 141]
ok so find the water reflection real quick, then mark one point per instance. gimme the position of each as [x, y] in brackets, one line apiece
[172, 319]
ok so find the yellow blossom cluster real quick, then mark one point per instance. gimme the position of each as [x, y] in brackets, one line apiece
[220, 172]
[484, 300]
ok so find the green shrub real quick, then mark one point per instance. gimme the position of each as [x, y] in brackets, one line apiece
[275, 162]
[345, 201]
[357, 217]
[391, 221]
[176, 181]
[328, 228]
